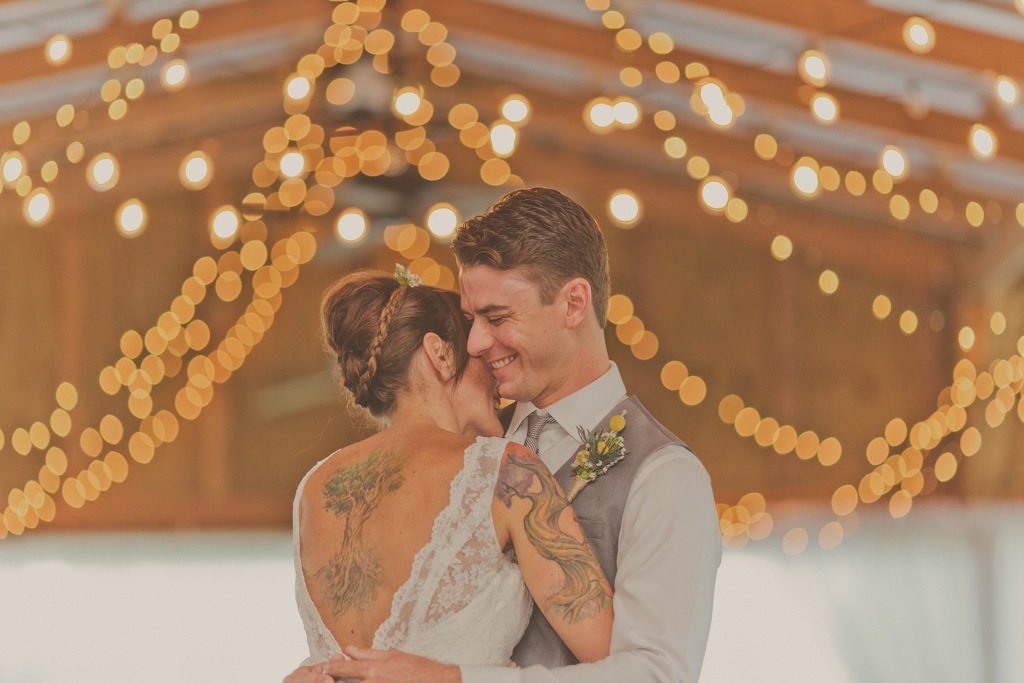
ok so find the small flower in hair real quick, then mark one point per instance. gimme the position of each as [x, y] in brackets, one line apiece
[406, 277]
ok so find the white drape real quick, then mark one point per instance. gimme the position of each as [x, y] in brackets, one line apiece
[937, 596]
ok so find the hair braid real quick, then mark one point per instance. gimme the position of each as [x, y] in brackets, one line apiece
[386, 315]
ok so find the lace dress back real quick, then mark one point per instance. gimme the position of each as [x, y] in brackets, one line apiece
[464, 601]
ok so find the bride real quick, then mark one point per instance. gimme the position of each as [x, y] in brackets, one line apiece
[431, 535]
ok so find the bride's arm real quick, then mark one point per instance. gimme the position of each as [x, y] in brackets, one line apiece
[558, 566]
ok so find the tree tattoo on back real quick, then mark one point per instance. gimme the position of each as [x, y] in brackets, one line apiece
[354, 574]
[583, 593]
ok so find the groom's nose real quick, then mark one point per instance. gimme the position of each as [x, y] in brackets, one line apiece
[479, 340]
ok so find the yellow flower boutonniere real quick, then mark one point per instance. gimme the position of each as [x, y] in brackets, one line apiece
[600, 451]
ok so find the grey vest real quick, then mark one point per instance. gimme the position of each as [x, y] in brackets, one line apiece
[599, 507]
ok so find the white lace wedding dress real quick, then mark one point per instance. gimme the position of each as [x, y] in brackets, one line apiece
[464, 601]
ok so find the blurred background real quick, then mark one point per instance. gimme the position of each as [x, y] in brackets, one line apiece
[814, 211]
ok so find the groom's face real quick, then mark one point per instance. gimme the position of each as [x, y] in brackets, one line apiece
[522, 340]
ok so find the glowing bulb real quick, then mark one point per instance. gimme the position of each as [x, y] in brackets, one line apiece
[38, 207]
[351, 225]
[103, 172]
[714, 193]
[624, 208]
[13, 167]
[824, 107]
[503, 139]
[58, 50]
[983, 141]
[601, 114]
[626, 113]
[805, 177]
[407, 102]
[710, 93]
[292, 164]
[918, 35]
[1007, 90]
[966, 338]
[298, 87]
[174, 75]
[442, 220]
[516, 109]
[225, 222]
[196, 171]
[131, 218]
[720, 114]
[814, 68]
[894, 161]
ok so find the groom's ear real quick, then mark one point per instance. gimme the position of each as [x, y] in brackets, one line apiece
[439, 355]
[577, 296]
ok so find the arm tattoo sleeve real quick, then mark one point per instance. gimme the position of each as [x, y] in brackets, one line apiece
[583, 592]
[352, 576]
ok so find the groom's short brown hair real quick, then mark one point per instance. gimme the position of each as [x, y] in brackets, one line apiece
[544, 232]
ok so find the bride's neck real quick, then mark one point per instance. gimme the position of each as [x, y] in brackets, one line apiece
[418, 410]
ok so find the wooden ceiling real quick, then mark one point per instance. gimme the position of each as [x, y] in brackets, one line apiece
[708, 287]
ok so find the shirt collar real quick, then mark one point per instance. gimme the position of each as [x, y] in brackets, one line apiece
[584, 407]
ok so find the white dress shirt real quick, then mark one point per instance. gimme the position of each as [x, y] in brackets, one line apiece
[669, 550]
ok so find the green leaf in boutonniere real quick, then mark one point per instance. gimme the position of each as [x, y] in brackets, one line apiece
[599, 452]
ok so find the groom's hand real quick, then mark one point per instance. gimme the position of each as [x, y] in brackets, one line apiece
[390, 666]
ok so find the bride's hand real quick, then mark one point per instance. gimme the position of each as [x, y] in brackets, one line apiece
[314, 673]
[390, 666]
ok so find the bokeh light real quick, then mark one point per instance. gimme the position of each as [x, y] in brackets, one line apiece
[624, 208]
[814, 68]
[131, 218]
[442, 220]
[351, 225]
[57, 50]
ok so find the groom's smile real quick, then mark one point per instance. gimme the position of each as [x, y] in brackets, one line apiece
[499, 364]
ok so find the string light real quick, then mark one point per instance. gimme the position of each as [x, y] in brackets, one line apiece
[1007, 90]
[982, 141]
[814, 68]
[174, 76]
[714, 194]
[224, 223]
[624, 208]
[229, 354]
[516, 109]
[57, 50]
[825, 107]
[918, 35]
[38, 207]
[103, 172]
[442, 220]
[503, 139]
[132, 218]
[894, 161]
[804, 177]
[407, 101]
[13, 167]
[350, 225]
[298, 87]
[196, 171]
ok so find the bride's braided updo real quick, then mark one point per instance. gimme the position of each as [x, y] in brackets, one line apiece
[373, 325]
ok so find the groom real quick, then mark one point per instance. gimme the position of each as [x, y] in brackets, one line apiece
[534, 280]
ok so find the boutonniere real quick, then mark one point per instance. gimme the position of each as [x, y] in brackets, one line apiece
[600, 451]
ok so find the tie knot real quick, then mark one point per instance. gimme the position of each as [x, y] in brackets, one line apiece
[535, 423]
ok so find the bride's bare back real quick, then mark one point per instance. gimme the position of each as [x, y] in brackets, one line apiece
[364, 515]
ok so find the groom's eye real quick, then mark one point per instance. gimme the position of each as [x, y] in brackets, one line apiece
[497, 320]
